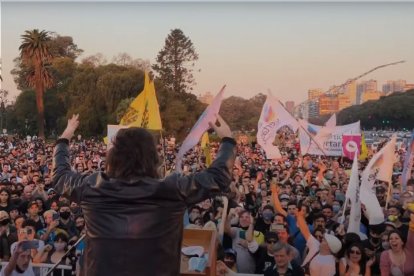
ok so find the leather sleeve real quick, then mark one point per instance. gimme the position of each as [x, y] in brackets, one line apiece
[213, 180]
[64, 180]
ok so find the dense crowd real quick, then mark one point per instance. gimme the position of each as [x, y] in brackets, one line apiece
[285, 217]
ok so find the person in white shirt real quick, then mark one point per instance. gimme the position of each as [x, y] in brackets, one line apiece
[19, 264]
[320, 258]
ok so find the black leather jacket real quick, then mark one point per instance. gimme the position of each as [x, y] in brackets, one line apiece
[135, 227]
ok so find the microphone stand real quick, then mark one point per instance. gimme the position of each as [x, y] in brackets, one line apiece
[67, 253]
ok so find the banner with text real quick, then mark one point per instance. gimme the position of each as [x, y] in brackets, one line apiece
[330, 142]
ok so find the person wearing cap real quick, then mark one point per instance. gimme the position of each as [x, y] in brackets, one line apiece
[263, 256]
[230, 259]
[320, 259]
[19, 264]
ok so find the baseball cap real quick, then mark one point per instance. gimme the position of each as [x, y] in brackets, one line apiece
[284, 197]
[333, 242]
[230, 251]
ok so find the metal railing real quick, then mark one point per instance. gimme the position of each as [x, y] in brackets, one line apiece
[41, 269]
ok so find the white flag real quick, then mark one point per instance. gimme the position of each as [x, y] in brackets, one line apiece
[352, 194]
[331, 122]
[201, 126]
[273, 117]
[379, 167]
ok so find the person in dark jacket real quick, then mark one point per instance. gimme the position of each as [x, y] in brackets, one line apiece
[134, 219]
[283, 266]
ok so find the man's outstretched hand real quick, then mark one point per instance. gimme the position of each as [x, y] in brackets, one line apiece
[223, 130]
[73, 124]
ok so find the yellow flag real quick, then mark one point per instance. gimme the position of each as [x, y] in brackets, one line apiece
[364, 149]
[205, 146]
[144, 110]
[105, 139]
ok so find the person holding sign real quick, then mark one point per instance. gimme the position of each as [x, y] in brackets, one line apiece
[134, 218]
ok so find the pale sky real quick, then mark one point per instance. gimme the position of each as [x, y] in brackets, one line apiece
[252, 47]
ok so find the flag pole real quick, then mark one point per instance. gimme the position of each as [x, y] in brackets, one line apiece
[163, 153]
[317, 144]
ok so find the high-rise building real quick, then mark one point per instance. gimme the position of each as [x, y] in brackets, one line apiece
[314, 94]
[371, 96]
[343, 101]
[408, 86]
[313, 108]
[290, 106]
[365, 86]
[351, 91]
[394, 86]
[206, 98]
[328, 104]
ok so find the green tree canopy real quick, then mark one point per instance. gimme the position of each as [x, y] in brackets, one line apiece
[175, 62]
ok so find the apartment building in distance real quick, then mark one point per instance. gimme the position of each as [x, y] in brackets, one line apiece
[328, 104]
[371, 96]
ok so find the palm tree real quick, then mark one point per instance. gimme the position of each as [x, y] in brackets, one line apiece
[35, 55]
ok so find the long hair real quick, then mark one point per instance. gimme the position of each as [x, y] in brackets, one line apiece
[133, 154]
[363, 262]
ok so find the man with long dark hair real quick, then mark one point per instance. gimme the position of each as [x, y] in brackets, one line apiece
[134, 219]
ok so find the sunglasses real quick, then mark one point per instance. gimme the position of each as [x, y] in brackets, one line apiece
[357, 252]
[271, 241]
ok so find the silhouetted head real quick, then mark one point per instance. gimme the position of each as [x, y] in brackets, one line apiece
[133, 154]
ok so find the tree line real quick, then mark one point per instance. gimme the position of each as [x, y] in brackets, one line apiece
[55, 84]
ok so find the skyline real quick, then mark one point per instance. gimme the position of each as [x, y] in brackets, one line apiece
[252, 47]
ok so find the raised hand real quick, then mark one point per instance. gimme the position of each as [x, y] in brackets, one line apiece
[73, 124]
[223, 130]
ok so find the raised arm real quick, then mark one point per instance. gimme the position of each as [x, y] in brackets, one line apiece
[303, 227]
[64, 180]
[215, 179]
[276, 201]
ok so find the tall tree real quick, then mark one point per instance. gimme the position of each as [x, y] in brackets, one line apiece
[35, 54]
[176, 61]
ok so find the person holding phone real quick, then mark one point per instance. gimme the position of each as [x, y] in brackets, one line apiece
[49, 233]
[19, 263]
[131, 214]
[242, 240]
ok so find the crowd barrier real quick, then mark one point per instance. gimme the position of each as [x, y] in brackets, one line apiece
[41, 269]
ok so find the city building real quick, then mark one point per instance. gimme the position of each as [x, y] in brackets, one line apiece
[351, 92]
[408, 86]
[394, 86]
[329, 104]
[313, 109]
[365, 86]
[206, 98]
[301, 111]
[314, 94]
[290, 106]
[371, 96]
[343, 101]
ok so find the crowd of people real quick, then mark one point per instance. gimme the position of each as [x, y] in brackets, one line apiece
[285, 217]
